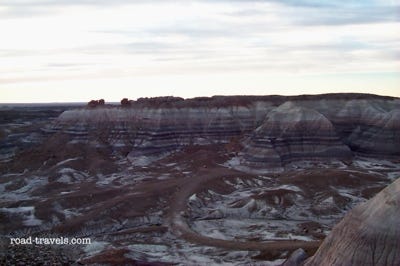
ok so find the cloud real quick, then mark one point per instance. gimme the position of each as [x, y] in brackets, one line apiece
[349, 15]
[305, 12]
[77, 40]
[327, 13]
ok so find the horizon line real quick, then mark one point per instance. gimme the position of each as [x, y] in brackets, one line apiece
[218, 95]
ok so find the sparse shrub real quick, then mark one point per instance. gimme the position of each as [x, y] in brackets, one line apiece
[95, 103]
[125, 102]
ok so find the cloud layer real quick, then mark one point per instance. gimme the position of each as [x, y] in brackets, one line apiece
[47, 42]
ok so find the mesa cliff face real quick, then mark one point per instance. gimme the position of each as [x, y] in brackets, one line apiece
[274, 130]
[368, 235]
[157, 130]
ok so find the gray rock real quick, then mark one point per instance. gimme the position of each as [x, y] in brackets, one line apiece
[296, 258]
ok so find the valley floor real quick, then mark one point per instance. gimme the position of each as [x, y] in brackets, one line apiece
[188, 208]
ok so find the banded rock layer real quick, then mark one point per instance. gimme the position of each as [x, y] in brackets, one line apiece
[274, 130]
[150, 131]
[291, 133]
[367, 126]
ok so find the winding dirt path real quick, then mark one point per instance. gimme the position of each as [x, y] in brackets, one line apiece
[180, 227]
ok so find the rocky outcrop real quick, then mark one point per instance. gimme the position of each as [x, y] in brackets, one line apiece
[291, 133]
[368, 235]
[275, 130]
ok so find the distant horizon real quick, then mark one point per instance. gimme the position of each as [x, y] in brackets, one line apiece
[71, 51]
[186, 98]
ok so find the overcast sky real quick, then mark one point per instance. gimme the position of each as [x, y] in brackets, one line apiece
[77, 50]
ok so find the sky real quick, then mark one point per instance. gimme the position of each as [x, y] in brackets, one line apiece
[78, 50]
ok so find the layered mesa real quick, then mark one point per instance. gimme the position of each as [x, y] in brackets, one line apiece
[270, 131]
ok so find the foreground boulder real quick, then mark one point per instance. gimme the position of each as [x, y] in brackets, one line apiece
[368, 235]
